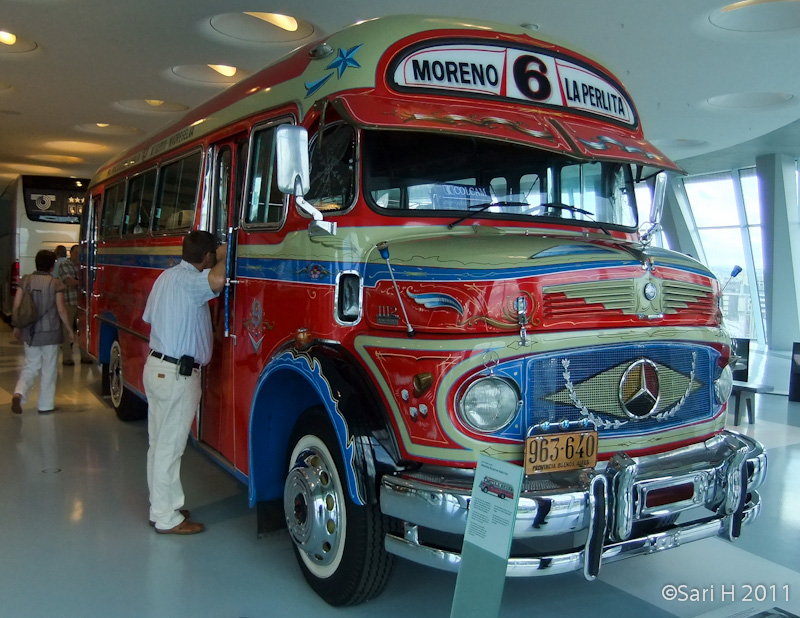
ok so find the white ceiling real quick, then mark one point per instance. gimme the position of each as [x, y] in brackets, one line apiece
[696, 84]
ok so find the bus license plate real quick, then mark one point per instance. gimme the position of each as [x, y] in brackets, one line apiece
[557, 452]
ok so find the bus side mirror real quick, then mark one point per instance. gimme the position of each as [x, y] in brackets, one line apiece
[659, 194]
[291, 145]
[656, 210]
[291, 153]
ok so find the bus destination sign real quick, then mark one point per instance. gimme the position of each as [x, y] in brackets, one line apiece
[513, 73]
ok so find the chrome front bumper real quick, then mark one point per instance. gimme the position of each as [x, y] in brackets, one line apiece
[590, 516]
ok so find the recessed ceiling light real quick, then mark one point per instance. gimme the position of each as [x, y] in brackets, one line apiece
[750, 100]
[24, 168]
[680, 142]
[757, 16]
[224, 69]
[257, 27]
[76, 147]
[276, 19]
[205, 74]
[104, 128]
[52, 158]
[150, 106]
[13, 44]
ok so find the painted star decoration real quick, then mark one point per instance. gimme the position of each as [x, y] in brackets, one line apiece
[344, 59]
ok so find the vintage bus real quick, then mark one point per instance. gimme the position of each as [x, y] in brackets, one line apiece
[36, 212]
[433, 253]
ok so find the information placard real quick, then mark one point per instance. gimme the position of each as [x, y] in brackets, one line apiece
[487, 541]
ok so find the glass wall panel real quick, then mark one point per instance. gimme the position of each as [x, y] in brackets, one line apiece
[712, 200]
[752, 206]
[758, 267]
[723, 248]
[724, 229]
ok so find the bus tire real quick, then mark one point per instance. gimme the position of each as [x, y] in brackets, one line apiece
[127, 405]
[338, 544]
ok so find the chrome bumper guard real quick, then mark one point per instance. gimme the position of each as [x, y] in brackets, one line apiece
[600, 504]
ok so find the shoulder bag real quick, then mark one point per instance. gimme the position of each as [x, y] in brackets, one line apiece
[26, 312]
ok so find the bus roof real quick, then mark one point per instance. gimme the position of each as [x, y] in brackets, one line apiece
[434, 73]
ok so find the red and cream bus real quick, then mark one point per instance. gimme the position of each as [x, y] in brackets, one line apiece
[434, 252]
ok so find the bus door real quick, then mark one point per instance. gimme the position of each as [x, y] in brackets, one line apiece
[88, 243]
[217, 416]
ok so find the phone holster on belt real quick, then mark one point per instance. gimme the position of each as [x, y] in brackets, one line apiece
[185, 365]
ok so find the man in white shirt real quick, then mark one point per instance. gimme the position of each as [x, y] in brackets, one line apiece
[181, 341]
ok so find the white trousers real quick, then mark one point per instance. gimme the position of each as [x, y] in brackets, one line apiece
[42, 358]
[172, 402]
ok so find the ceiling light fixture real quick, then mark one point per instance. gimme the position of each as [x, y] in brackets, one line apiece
[102, 125]
[154, 102]
[7, 37]
[223, 69]
[276, 19]
[746, 3]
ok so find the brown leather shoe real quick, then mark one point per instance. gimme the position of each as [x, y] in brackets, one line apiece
[16, 404]
[185, 512]
[185, 527]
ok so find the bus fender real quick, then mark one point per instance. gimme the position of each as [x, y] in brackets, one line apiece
[293, 382]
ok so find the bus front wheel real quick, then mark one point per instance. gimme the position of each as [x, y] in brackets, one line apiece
[338, 543]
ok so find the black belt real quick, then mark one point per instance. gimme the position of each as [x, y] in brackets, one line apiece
[170, 359]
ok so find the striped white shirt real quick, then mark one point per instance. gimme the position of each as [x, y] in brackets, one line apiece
[178, 313]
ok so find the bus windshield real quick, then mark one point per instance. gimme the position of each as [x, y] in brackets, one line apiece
[405, 170]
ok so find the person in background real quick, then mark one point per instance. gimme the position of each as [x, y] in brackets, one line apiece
[68, 274]
[180, 343]
[42, 338]
[61, 255]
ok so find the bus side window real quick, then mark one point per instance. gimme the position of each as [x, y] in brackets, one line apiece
[177, 194]
[113, 210]
[141, 190]
[265, 203]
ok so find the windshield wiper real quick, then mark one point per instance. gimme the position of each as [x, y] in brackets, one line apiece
[562, 206]
[482, 209]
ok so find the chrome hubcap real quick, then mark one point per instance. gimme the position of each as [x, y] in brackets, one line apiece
[312, 507]
[115, 375]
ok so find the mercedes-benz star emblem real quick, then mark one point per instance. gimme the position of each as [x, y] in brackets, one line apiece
[650, 291]
[639, 391]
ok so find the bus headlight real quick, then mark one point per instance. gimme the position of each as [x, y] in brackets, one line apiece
[489, 404]
[723, 385]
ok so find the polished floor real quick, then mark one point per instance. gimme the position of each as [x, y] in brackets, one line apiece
[74, 538]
